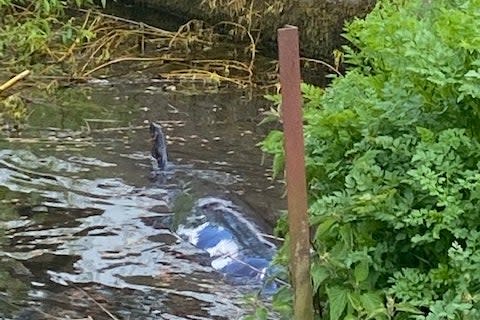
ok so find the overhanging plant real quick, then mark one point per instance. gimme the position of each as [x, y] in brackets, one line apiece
[393, 164]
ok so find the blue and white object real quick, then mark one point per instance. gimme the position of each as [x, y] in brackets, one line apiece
[236, 246]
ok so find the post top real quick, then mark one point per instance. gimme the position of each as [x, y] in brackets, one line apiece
[288, 27]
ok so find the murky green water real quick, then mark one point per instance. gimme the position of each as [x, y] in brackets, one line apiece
[79, 208]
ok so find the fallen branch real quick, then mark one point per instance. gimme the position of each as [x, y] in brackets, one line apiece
[14, 80]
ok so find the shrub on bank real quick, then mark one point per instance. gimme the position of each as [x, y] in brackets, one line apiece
[31, 28]
[393, 165]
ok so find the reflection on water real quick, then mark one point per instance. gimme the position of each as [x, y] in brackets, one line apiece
[84, 230]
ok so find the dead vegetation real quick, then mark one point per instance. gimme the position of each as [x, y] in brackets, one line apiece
[196, 52]
[92, 44]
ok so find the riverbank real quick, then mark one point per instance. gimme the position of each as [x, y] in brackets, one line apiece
[320, 22]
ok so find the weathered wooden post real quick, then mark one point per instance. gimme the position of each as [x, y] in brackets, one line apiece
[289, 60]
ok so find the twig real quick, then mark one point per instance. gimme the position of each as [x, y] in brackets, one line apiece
[272, 237]
[74, 44]
[252, 46]
[144, 25]
[106, 64]
[282, 282]
[204, 75]
[14, 80]
[323, 63]
[95, 301]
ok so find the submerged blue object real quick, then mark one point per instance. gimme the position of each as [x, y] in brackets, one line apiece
[211, 235]
[236, 246]
[254, 268]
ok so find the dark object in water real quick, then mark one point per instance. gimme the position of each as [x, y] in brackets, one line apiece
[236, 247]
[159, 148]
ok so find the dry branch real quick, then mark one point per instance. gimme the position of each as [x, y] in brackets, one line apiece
[14, 80]
[191, 53]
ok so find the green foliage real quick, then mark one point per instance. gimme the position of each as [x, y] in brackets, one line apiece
[12, 109]
[36, 35]
[31, 30]
[393, 165]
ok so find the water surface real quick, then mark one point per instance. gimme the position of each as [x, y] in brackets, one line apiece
[83, 233]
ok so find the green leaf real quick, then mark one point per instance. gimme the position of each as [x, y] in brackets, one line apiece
[372, 302]
[319, 274]
[346, 232]
[361, 271]
[278, 164]
[261, 313]
[425, 134]
[405, 307]
[337, 300]
[354, 299]
[275, 98]
[324, 227]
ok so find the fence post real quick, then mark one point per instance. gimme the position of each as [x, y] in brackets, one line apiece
[289, 60]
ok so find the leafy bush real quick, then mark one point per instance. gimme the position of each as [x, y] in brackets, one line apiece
[29, 30]
[38, 36]
[393, 165]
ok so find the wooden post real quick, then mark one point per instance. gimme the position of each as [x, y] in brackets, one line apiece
[289, 60]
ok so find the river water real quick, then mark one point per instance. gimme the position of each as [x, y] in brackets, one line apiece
[80, 235]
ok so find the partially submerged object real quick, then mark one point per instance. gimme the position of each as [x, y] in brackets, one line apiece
[159, 146]
[235, 245]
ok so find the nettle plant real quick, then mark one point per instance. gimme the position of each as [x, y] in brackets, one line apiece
[393, 165]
